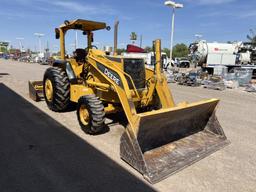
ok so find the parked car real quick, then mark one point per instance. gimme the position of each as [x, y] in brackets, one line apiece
[183, 63]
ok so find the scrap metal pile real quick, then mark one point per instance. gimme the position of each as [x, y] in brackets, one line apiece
[251, 87]
[215, 82]
[220, 80]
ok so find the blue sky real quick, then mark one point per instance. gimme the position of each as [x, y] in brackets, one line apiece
[216, 20]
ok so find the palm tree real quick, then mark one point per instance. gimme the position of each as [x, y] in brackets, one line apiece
[133, 37]
[252, 37]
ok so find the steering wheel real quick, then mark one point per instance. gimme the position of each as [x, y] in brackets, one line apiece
[93, 46]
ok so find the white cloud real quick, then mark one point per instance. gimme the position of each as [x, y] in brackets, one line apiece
[248, 14]
[211, 2]
[215, 14]
[126, 18]
[89, 9]
[238, 14]
[73, 6]
[58, 6]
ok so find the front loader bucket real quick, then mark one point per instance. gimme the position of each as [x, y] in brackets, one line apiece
[36, 90]
[168, 140]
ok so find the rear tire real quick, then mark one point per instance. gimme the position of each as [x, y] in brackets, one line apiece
[59, 99]
[91, 115]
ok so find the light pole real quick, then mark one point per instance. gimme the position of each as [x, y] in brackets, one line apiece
[174, 6]
[20, 43]
[39, 35]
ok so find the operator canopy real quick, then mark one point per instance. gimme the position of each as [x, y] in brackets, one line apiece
[83, 25]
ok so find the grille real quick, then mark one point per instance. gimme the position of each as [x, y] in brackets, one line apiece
[136, 69]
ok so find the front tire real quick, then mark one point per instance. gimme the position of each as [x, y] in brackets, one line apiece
[56, 89]
[91, 115]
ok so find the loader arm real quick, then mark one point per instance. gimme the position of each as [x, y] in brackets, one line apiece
[162, 88]
[158, 82]
[118, 82]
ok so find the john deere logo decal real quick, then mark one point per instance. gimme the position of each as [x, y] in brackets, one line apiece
[110, 74]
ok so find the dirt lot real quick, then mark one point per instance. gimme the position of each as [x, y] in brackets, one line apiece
[230, 169]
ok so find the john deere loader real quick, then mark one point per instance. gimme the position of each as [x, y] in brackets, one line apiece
[161, 137]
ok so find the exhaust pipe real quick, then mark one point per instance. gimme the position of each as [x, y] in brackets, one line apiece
[116, 37]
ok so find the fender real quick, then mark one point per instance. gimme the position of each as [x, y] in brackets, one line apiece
[65, 65]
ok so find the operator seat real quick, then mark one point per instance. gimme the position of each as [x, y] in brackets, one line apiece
[80, 55]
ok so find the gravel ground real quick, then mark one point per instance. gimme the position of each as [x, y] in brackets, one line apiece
[230, 169]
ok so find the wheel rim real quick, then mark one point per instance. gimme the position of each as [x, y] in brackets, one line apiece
[84, 115]
[48, 90]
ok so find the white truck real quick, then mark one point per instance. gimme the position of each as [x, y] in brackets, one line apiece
[209, 54]
[149, 58]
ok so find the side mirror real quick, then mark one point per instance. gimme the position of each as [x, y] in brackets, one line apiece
[57, 33]
[66, 22]
[108, 28]
[84, 33]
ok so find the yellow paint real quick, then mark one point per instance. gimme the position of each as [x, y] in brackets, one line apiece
[77, 91]
[112, 109]
[62, 44]
[83, 25]
[49, 90]
[84, 115]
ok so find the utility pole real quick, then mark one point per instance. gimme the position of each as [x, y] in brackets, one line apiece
[39, 35]
[141, 38]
